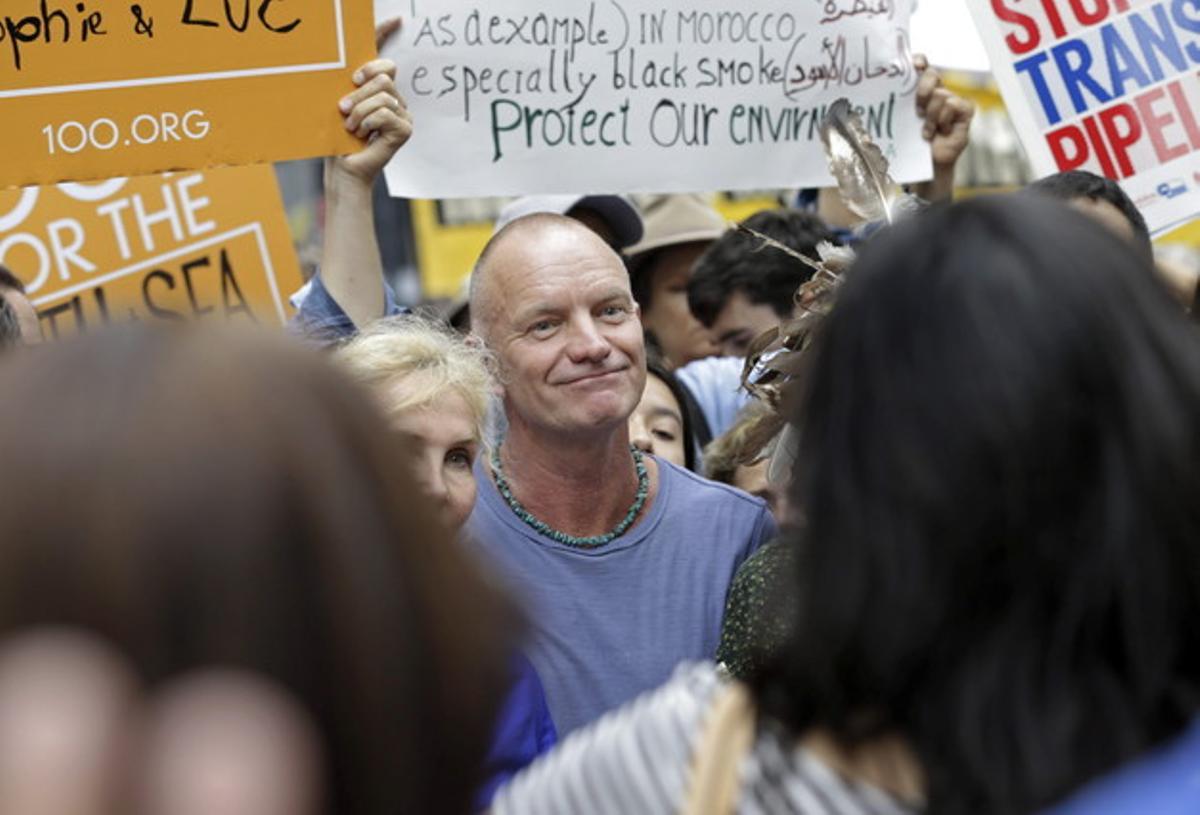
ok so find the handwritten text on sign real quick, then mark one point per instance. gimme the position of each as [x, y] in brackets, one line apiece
[518, 96]
[212, 245]
[92, 89]
[1110, 86]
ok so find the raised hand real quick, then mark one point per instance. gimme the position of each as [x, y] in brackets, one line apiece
[947, 115]
[375, 111]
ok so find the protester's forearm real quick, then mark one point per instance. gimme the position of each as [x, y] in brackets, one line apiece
[940, 187]
[351, 266]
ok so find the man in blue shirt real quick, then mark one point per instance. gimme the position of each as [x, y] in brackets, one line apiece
[622, 561]
[627, 569]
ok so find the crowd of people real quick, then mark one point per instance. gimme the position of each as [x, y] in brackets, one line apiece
[535, 555]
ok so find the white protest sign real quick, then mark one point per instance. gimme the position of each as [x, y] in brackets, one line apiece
[1108, 86]
[576, 96]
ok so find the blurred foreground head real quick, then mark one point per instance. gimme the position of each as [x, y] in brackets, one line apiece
[220, 535]
[1000, 469]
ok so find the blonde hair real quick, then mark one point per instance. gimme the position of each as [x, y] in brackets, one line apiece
[397, 347]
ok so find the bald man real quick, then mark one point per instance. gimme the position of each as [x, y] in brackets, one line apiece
[623, 560]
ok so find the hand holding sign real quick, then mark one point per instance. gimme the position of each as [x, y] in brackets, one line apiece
[377, 112]
[947, 125]
[351, 267]
[947, 115]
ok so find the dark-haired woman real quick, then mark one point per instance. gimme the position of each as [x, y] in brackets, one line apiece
[999, 576]
[662, 424]
[219, 587]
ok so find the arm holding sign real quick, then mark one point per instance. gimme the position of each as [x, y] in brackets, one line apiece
[351, 268]
[947, 129]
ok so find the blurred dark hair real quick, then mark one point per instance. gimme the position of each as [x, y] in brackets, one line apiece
[198, 500]
[737, 262]
[641, 276]
[657, 368]
[8, 280]
[10, 325]
[1000, 467]
[1075, 184]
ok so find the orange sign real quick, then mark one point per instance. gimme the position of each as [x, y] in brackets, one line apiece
[90, 89]
[210, 245]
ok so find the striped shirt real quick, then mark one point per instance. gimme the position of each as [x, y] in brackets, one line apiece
[637, 759]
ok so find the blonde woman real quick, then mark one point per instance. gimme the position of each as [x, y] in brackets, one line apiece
[434, 388]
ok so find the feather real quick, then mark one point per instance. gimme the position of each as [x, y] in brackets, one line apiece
[768, 241]
[759, 432]
[752, 374]
[759, 346]
[836, 259]
[783, 457]
[776, 361]
[858, 164]
[789, 365]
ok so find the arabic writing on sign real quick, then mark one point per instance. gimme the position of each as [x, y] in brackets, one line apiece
[847, 63]
[835, 10]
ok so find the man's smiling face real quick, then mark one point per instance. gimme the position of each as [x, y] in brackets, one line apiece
[563, 323]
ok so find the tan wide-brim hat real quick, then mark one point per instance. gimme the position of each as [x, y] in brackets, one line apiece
[672, 220]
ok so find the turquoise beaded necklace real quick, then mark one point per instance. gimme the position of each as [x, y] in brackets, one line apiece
[594, 541]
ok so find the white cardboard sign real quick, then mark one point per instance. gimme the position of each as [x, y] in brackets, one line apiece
[513, 97]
